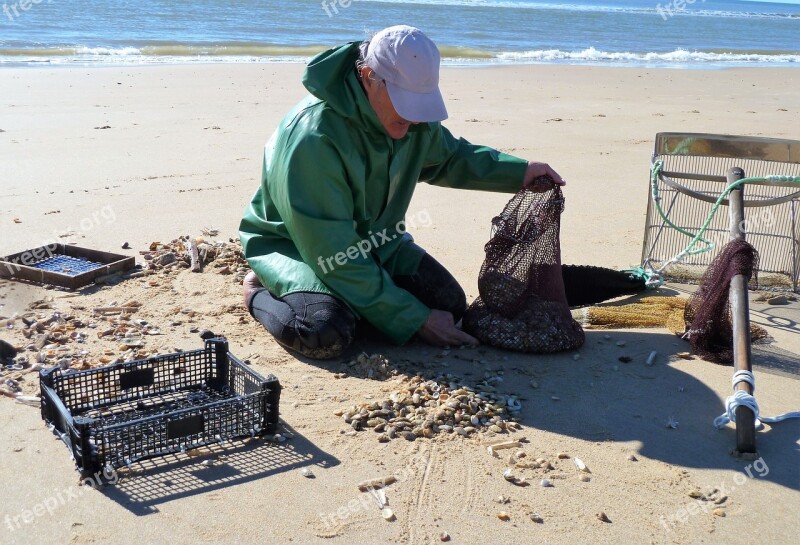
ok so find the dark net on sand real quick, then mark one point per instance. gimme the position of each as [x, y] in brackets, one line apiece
[708, 312]
[522, 304]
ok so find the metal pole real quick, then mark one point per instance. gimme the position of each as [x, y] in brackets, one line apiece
[740, 312]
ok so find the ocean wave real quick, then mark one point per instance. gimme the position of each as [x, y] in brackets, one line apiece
[678, 56]
[247, 52]
[690, 10]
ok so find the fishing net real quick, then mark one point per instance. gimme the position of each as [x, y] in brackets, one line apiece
[645, 312]
[708, 312]
[522, 304]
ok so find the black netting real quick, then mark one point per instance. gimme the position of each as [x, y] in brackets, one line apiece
[708, 312]
[522, 304]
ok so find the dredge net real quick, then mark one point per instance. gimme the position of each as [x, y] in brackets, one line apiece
[708, 311]
[522, 304]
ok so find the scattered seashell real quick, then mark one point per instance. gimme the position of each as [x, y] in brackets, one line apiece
[444, 536]
[607, 337]
[33, 401]
[502, 499]
[581, 465]
[684, 355]
[546, 483]
[576, 357]
[584, 477]
[307, 473]
[502, 515]
[207, 463]
[620, 343]
[651, 359]
[387, 514]
[696, 494]
[492, 449]
[563, 456]
[508, 475]
[721, 500]
[603, 517]
[365, 486]
[555, 398]
[718, 512]
[632, 458]
[537, 518]
[672, 423]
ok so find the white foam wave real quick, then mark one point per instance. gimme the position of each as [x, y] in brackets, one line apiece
[679, 56]
[107, 51]
[656, 9]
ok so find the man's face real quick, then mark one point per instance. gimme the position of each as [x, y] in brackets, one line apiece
[396, 127]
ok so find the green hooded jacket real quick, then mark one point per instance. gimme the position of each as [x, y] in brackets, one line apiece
[329, 214]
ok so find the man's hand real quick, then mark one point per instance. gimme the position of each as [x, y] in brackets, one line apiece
[536, 170]
[440, 330]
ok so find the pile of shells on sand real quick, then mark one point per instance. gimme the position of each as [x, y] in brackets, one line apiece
[50, 337]
[199, 254]
[375, 366]
[423, 408]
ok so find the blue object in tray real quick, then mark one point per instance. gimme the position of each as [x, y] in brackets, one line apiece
[67, 265]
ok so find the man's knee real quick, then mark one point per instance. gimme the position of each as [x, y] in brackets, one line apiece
[326, 334]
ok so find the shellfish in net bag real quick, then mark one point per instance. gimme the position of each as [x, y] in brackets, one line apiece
[522, 304]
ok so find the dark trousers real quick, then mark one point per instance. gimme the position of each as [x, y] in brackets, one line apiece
[321, 326]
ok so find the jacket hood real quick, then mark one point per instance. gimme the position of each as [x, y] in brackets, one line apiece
[330, 76]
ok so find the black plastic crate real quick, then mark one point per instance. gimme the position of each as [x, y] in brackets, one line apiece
[112, 416]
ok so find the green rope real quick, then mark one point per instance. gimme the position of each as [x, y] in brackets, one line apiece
[654, 172]
[651, 279]
[689, 250]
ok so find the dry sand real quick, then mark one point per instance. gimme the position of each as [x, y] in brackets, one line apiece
[182, 152]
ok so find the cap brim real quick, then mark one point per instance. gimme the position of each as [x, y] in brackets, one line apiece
[417, 107]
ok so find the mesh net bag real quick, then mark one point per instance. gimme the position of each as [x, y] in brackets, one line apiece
[522, 304]
[708, 312]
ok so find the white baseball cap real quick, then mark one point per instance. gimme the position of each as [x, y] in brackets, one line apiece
[408, 61]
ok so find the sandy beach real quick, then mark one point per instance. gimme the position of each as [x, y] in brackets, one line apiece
[104, 156]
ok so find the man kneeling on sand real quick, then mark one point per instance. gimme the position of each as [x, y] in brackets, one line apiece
[325, 232]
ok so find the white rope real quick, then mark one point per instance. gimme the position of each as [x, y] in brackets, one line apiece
[741, 398]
